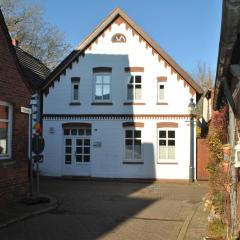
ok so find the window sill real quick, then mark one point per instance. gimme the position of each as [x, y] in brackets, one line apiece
[6, 162]
[101, 103]
[134, 103]
[162, 103]
[129, 162]
[74, 103]
[166, 162]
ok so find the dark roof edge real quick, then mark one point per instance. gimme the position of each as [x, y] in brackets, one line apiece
[100, 27]
[11, 49]
[229, 31]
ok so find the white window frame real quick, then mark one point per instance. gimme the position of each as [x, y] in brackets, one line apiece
[73, 144]
[10, 125]
[132, 160]
[158, 92]
[94, 86]
[72, 92]
[166, 160]
[134, 74]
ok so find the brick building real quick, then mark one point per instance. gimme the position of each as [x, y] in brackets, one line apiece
[14, 93]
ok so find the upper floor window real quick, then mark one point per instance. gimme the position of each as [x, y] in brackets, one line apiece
[134, 87]
[161, 92]
[75, 89]
[5, 130]
[161, 89]
[102, 82]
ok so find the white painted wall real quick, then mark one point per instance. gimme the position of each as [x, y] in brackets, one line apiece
[107, 161]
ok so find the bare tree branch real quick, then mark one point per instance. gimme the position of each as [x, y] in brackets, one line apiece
[37, 37]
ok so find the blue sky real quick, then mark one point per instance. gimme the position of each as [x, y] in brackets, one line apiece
[187, 29]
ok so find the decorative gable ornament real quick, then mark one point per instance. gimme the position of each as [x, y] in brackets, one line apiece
[118, 38]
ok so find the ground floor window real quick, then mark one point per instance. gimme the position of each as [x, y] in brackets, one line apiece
[133, 145]
[77, 142]
[5, 130]
[166, 144]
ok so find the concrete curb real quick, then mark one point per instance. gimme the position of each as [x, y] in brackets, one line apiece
[186, 223]
[53, 204]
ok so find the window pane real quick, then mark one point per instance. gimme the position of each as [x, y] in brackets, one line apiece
[79, 150]
[129, 79]
[106, 79]
[130, 92]
[171, 142]
[137, 134]
[171, 152]
[68, 150]
[98, 92]
[161, 92]
[79, 158]
[162, 134]
[138, 79]
[86, 142]
[75, 92]
[68, 141]
[66, 131]
[128, 150]
[128, 142]
[88, 132]
[86, 158]
[68, 159]
[128, 133]
[171, 134]
[3, 112]
[80, 132]
[162, 142]
[137, 151]
[162, 152]
[86, 150]
[3, 138]
[99, 79]
[106, 92]
[79, 142]
[74, 131]
[137, 142]
[138, 92]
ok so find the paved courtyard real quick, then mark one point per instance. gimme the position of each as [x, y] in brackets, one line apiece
[114, 210]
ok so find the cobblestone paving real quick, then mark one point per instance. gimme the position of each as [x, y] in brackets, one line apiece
[113, 210]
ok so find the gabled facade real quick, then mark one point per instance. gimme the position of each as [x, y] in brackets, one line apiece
[117, 107]
[15, 93]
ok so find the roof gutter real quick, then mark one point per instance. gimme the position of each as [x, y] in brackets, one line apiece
[229, 32]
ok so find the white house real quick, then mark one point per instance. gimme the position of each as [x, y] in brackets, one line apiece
[116, 107]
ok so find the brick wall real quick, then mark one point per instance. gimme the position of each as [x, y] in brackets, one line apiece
[14, 171]
[202, 159]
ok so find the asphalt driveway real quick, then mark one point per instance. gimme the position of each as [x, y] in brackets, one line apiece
[114, 210]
